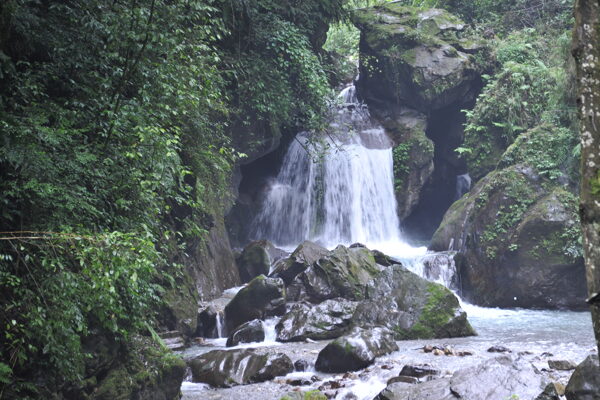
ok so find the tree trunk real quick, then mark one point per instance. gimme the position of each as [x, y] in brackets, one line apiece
[586, 43]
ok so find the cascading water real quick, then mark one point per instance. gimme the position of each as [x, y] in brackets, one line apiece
[334, 189]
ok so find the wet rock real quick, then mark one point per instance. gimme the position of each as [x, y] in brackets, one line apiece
[383, 259]
[261, 298]
[303, 257]
[301, 365]
[252, 331]
[403, 379]
[549, 393]
[343, 272]
[226, 368]
[585, 381]
[207, 323]
[498, 378]
[419, 370]
[256, 259]
[356, 350]
[309, 395]
[562, 365]
[412, 307]
[499, 349]
[328, 320]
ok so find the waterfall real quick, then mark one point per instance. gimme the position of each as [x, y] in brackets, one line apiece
[219, 324]
[336, 187]
[463, 185]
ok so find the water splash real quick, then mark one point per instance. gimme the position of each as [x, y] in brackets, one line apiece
[219, 324]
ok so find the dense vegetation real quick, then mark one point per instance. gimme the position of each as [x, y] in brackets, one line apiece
[120, 125]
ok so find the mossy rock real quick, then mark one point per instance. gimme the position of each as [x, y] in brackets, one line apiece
[147, 371]
[412, 307]
[416, 57]
[343, 272]
[308, 395]
[519, 241]
[356, 350]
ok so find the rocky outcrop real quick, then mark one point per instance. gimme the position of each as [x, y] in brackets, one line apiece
[357, 287]
[344, 272]
[356, 350]
[585, 381]
[328, 320]
[226, 368]
[418, 69]
[415, 57]
[248, 332]
[412, 307]
[263, 297]
[518, 243]
[257, 258]
[303, 257]
[498, 378]
[208, 268]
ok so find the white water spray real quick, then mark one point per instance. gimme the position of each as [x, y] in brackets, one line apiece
[346, 196]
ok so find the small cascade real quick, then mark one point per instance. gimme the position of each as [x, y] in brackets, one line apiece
[463, 185]
[270, 332]
[336, 187]
[219, 324]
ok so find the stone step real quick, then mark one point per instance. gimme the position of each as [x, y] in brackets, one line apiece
[169, 334]
[175, 343]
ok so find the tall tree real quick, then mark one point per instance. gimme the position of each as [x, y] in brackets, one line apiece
[586, 49]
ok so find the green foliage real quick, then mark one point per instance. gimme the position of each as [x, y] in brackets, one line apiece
[401, 156]
[532, 86]
[57, 289]
[342, 43]
[546, 148]
[93, 130]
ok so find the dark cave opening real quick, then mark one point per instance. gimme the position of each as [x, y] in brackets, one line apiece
[446, 130]
[253, 178]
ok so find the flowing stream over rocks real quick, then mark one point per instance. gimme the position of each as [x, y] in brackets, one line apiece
[347, 196]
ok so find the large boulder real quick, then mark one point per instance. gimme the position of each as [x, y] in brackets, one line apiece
[419, 58]
[344, 272]
[328, 320]
[226, 368]
[518, 242]
[248, 332]
[256, 259]
[263, 297]
[412, 307]
[356, 350]
[498, 378]
[585, 381]
[303, 257]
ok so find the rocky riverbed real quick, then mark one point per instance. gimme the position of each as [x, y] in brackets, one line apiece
[532, 337]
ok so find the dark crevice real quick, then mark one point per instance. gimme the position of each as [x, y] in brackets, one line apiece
[446, 130]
